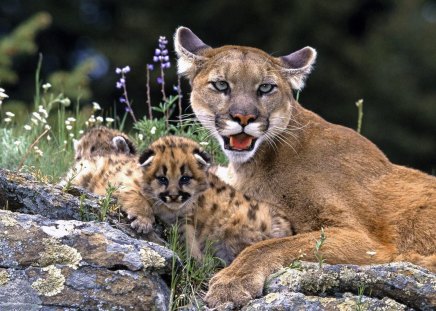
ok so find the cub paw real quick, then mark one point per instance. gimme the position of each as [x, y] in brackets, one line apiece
[141, 224]
[227, 287]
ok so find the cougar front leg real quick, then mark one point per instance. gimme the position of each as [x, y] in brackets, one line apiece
[244, 279]
[138, 208]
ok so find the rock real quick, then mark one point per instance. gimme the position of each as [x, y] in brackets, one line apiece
[61, 264]
[298, 301]
[20, 192]
[395, 286]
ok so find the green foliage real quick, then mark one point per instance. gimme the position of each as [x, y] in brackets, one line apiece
[75, 83]
[359, 105]
[318, 245]
[189, 282]
[107, 202]
[20, 41]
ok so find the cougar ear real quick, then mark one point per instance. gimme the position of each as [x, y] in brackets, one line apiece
[120, 144]
[146, 157]
[188, 48]
[298, 65]
[203, 158]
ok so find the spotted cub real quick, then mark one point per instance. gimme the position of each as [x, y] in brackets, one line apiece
[105, 156]
[176, 177]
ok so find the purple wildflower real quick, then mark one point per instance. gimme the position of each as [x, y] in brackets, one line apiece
[159, 80]
[150, 67]
[161, 54]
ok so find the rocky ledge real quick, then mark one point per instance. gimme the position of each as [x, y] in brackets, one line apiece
[51, 259]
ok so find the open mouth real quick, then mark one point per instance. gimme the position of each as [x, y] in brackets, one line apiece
[239, 142]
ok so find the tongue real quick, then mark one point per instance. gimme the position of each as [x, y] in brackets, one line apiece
[241, 141]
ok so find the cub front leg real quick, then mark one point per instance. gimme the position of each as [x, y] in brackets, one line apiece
[192, 244]
[138, 208]
[244, 279]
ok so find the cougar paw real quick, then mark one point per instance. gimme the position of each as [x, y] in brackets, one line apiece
[141, 224]
[228, 287]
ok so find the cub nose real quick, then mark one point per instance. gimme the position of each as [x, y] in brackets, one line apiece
[173, 197]
[243, 119]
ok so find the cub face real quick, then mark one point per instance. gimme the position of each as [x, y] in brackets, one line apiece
[174, 173]
[99, 141]
[242, 95]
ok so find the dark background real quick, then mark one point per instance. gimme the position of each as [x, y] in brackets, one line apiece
[381, 51]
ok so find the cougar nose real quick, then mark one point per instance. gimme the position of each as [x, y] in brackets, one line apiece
[173, 197]
[243, 119]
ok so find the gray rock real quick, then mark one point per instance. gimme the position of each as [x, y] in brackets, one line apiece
[61, 264]
[395, 286]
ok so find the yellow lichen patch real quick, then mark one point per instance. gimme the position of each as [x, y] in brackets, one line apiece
[56, 253]
[271, 297]
[52, 284]
[7, 220]
[151, 258]
[4, 277]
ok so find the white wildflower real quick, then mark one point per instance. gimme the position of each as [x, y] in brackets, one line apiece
[66, 102]
[65, 142]
[153, 130]
[140, 137]
[3, 95]
[17, 142]
[46, 86]
[67, 122]
[81, 132]
[48, 137]
[47, 127]
[34, 121]
[27, 127]
[71, 119]
[9, 114]
[91, 119]
[7, 120]
[99, 119]
[69, 127]
[204, 143]
[37, 116]
[42, 111]
[109, 120]
[71, 135]
[95, 106]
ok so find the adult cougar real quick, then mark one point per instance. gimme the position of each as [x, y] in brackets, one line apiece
[322, 175]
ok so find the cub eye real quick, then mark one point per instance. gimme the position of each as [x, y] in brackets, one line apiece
[265, 88]
[221, 86]
[184, 180]
[162, 180]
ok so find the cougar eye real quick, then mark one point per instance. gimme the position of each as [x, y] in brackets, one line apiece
[265, 88]
[184, 180]
[221, 86]
[162, 180]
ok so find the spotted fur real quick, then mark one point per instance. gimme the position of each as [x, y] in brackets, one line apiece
[107, 157]
[176, 177]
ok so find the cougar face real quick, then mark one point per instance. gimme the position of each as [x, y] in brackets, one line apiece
[242, 95]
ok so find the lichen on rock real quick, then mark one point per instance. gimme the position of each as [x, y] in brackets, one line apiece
[7, 220]
[57, 253]
[4, 277]
[151, 259]
[52, 284]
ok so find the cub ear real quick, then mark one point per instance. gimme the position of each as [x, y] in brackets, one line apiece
[123, 145]
[203, 158]
[146, 157]
[188, 48]
[298, 65]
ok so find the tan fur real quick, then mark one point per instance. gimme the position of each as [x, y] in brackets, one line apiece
[107, 157]
[323, 175]
[206, 208]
